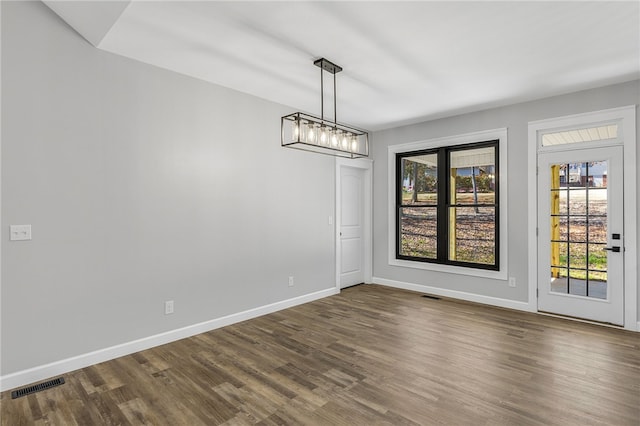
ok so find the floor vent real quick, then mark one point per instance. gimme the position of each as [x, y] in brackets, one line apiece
[37, 388]
[428, 296]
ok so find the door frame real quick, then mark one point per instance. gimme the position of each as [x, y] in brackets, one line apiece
[366, 165]
[626, 119]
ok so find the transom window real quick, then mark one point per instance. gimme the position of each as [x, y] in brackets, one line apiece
[447, 205]
[589, 134]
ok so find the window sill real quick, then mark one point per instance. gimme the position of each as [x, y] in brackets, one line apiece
[450, 269]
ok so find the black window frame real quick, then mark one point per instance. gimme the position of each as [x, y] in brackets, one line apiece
[443, 205]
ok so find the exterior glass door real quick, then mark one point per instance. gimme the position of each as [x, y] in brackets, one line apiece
[580, 235]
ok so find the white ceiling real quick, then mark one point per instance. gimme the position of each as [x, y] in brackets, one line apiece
[403, 62]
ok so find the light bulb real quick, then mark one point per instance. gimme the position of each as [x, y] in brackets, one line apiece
[334, 138]
[324, 135]
[311, 133]
[302, 133]
[345, 141]
[296, 130]
[354, 144]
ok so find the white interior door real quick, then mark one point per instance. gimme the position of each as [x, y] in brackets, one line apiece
[351, 226]
[580, 234]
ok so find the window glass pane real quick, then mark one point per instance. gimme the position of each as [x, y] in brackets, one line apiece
[472, 234]
[473, 171]
[589, 134]
[420, 179]
[418, 232]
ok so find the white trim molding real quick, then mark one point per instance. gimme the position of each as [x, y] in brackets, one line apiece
[455, 294]
[366, 165]
[625, 117]
[42, 372]
[1, 227]
[486, 135]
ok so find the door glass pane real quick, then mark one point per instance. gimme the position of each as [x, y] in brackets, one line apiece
[559, 280]
[564, 202]
[564, 229]
[577, 255]
[563, 254]
[579, 229]
[597, 260]
[598, 229]
[596, 173]
[597, 203]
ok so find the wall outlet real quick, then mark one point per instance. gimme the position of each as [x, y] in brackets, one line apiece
[20, 232]
[290, 281]
[512, 281]
[168, 307]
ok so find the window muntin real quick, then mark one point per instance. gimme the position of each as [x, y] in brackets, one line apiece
[447, 205]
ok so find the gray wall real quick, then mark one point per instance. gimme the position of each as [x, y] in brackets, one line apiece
[141, 186]
[515, 118]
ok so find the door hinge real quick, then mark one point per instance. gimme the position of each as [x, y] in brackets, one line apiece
[537, 170]
[537, 292]
[537, 231]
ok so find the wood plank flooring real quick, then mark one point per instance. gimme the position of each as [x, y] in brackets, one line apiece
[369, 356]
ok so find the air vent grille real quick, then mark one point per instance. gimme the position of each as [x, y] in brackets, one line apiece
[428, 296]
[37, 388]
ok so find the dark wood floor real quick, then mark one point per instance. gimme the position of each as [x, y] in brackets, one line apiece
[371, 355]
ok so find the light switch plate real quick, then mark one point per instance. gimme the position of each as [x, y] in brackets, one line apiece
[20, 232]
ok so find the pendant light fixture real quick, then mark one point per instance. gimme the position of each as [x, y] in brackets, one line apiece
[309, 133]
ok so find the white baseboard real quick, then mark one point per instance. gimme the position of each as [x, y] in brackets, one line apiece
[454, 294]
[46, 371]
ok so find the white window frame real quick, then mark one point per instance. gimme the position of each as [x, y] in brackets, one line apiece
[463, 139]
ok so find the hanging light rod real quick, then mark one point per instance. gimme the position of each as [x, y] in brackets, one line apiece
[309, 133]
